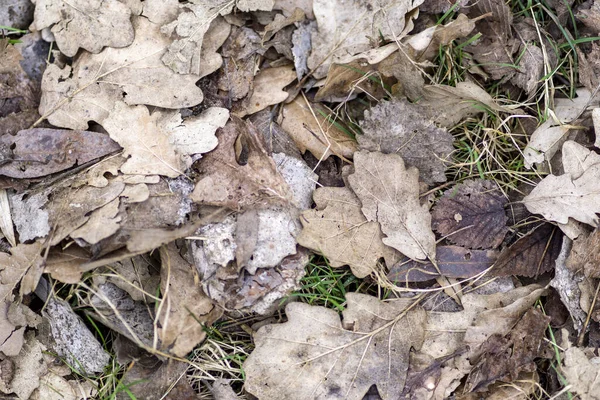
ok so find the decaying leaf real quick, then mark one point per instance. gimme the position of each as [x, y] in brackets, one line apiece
[224, 181]
[559, 198]
[389, 193]
[581, 370]
[504, 357]
[38, 152]
[21, 374]
[268, 89]
[299, 177]
[344, 28]
[311, 130]
[584, 255]
[399, 127]
[452, 262]
[72, 96]
[531, 255]
[14, 266]
[14, 319]
[315, 356]
[186, 309]
[472, 215]
[84, 24]
[337, 229]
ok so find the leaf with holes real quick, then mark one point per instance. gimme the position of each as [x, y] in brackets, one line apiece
[472, 215]
[316, 356]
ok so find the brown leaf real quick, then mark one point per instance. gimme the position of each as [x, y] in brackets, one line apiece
[225, 182]
[582, 372]
[452, 261]
[400, 127]
[335, 360]
[389, 193]
[504, 357]
[39, 151]
[337, 229]
[15, 265]
[585, 255]
[472, 215]
[344, 80]
[268, 89]
[186, 309]
[315, 132]
[531, 255]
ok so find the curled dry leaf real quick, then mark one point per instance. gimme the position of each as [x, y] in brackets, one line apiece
[315, 356]
[389, 193]
[186, 310]
[345, 28]
[472, 215]
[311, 130]
[90, 25]
[72, 96]
[337, 229]
[250, 180]
[399, 127]
[267, 89]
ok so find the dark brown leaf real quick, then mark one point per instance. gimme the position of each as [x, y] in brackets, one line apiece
[504, 357]
[39, 151]
[585, 255]
[453, 262]
[400, 127]
[531, 255]
[472, 215]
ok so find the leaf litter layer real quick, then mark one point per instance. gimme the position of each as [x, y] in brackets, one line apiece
[312, 199]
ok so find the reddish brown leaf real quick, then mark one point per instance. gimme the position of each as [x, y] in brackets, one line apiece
[531, 255]
[504, 357]
[472, 215]
[585, 255]
[453, 262]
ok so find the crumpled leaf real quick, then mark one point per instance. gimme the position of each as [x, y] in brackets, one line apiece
[315, 356]
[72, 96]
[14, 319]
[471, 214]
[559, 198]
[531, 255]
[186, 310]
[581, 372]
[27, 368]
[90, 25]
[504, 357]
[389, 193]
[14, 266]
[184, 55]
[452, 262]
[305, 129]
[547, 139]
[224, 181]
[158, 143]
[40, 151]
[400, 127]
[337, 229]
[344, 28]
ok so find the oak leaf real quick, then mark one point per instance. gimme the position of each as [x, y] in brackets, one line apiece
[472, 215]
[389, 193]
[316, 356]
[337, 229]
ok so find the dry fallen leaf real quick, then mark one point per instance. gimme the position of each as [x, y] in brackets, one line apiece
[13, 267]
[471, 214]
[559, 198]
[23, 372]
[83, 24]
[581, 370]
[337, 229]
[267, 89]
[389, 193]
[186, 310]
[344, 28]
[400, 127]
[584, 255]
[311, 130]
[72, 96]
[531, 255]
[315, 356]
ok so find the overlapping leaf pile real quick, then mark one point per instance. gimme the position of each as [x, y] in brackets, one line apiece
[165, 164]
